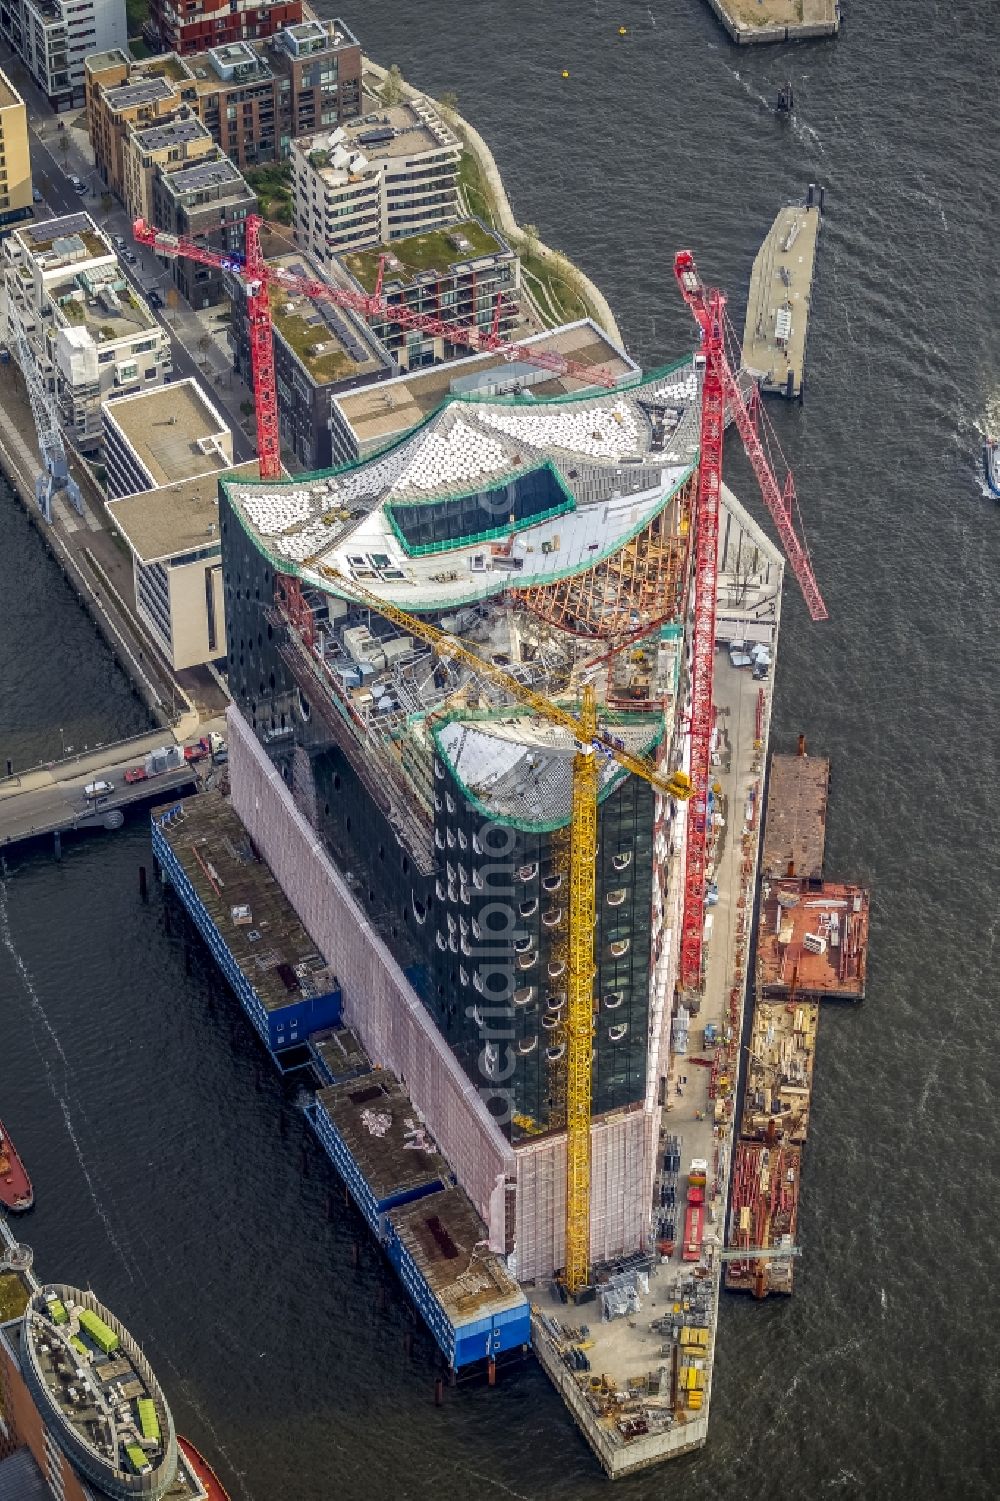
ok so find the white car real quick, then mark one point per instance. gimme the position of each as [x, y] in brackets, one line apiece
[98, 789]
[118, 241]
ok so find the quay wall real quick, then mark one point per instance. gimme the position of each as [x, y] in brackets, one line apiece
[507, 223]
[749, 36]
[18, 464]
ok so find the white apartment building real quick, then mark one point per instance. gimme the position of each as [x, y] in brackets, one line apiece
[392, 174]
[92, 336]
[164, 452]
[54, 36]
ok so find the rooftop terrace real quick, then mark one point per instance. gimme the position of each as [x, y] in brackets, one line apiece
[174, 431]
[51, 242]
[439, 250]
[248, 907]
[328, 343]
[102, 302]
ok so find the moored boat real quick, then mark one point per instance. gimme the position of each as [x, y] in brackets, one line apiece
[16, 1193]
[214, 1488]
[991, 465]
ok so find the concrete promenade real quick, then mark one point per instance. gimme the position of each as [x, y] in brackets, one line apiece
[777, 321]
[751, 22]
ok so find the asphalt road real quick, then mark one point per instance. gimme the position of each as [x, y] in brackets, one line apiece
[62, 804]
[60, 197]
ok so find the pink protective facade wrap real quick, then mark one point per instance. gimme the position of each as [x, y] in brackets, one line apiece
[379, 1002]
[621, 1147]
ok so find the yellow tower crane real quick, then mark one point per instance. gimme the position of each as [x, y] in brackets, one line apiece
[590, 745]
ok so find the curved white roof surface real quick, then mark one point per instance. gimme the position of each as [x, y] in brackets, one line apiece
[485, 494]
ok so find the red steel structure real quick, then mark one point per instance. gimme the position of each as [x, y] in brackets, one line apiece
[257, 277]
[720, 387]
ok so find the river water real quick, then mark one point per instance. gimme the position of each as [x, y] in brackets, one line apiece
[152, 1130]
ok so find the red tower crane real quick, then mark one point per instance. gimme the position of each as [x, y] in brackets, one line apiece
[720, 388]
[258, 278]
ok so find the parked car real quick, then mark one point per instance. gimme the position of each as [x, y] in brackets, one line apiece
[98, 789]
[154, 299]
[130, 256]
[118, 241]
[36, 195]
[77, 183]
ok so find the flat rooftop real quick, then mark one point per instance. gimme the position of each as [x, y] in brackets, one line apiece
[103, 302]
[340, 1053]
[173, 519]
[795, 826]
[326, 340]
[214, 172]
[379, 413]
[96, 62]
[171, 133]
[52, 240]
[394, 133]
[170, 430]
[8, 94]
[255, 919]
[456, 247]
[449, 1243]
[830, 913]
[137, 92]
[383, 1133]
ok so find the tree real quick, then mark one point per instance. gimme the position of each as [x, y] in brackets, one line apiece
[449, 103]
[392, 88]
[530, 238]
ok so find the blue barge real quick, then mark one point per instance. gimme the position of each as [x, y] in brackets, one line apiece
[363, 1117]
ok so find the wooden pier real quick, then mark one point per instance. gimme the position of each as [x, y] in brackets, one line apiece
[777, 321]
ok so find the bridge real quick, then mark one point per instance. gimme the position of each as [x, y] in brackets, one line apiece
[50, 800]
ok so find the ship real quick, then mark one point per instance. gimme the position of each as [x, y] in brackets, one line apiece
[97, 1394]
[991, 466]
[212, 1485]
[16, 1193]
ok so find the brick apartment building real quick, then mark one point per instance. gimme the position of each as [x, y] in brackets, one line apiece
[190, 25]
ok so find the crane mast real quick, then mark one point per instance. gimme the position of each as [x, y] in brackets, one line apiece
[258, 278]
[591, 746]
[719, 389]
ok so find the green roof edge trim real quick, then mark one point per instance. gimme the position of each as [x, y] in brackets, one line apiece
[543, 826]
[426, 549]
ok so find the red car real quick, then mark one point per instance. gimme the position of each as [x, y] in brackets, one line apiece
[136, 774]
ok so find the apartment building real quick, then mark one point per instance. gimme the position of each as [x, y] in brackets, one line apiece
[319, 350]
[164, 452]
[207, 200]
[15, 163]
[461, 274]
[53, 37]
[93, 337]
[389, 175]
[189, 25]
[252, 98]
[165, 147]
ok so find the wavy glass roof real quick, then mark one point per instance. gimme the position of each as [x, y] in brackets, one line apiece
[485, 495]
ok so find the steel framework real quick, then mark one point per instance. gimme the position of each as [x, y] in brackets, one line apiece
[55, 473]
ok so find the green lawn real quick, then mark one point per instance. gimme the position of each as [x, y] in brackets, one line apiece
[136, 16]
[300, 334]
[273, 185]
[432, 251]
[474, 188]
[13, 1296]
